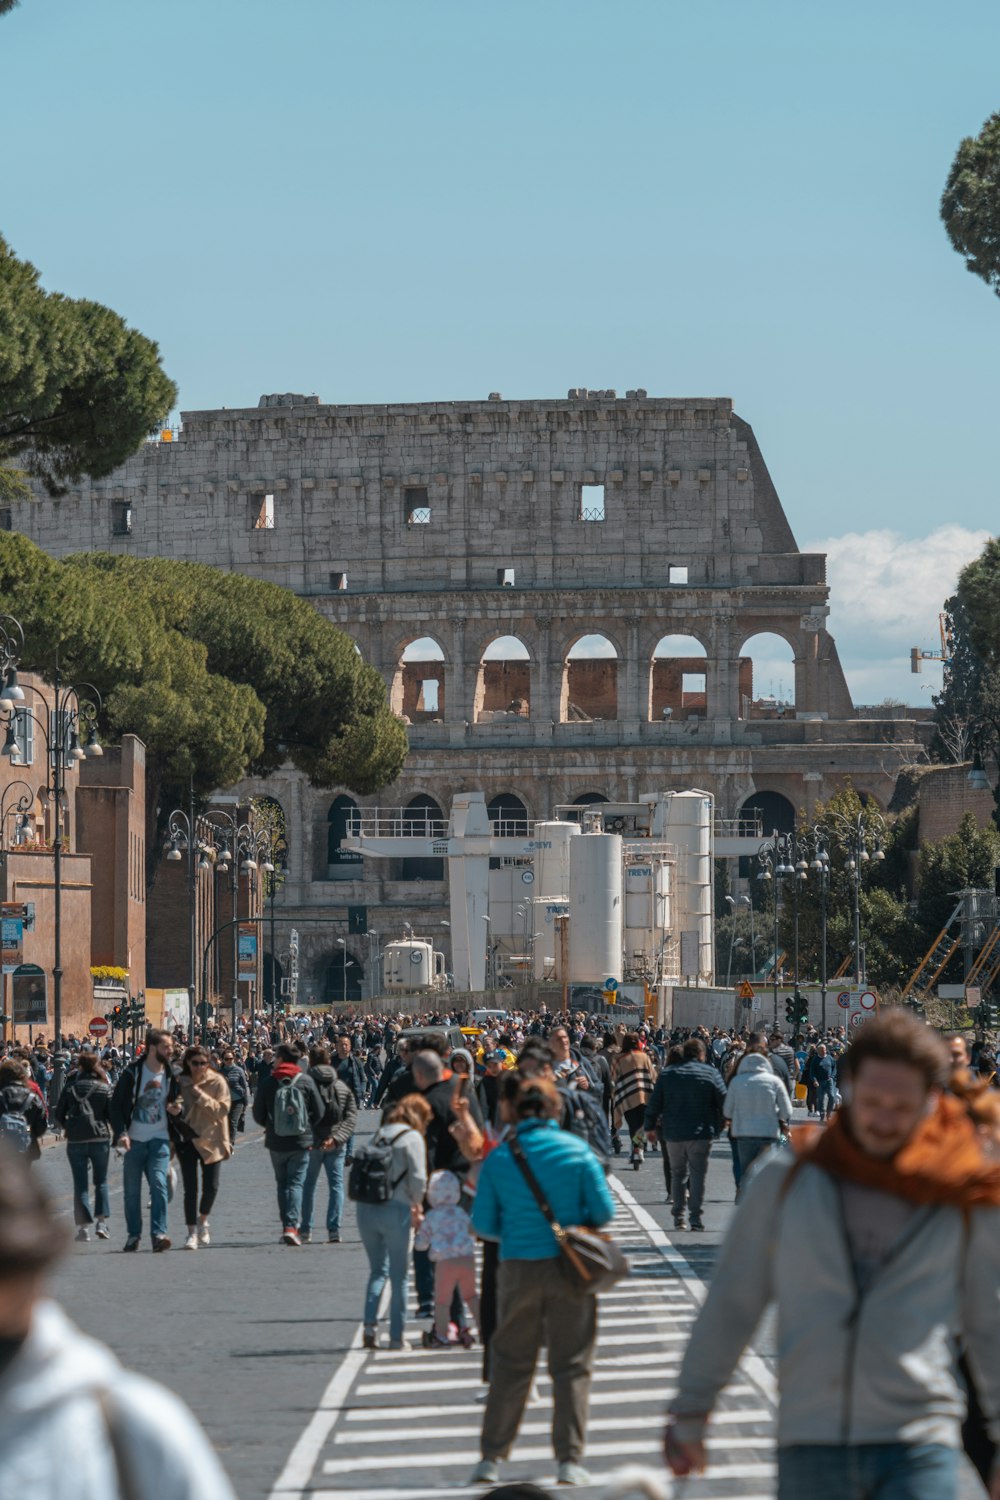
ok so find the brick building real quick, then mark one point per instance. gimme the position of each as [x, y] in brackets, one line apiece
[565, 599]
[103, 863]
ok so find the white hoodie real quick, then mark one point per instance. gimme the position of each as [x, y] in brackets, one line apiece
[53, 1439]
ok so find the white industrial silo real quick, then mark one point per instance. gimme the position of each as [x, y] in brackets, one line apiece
[551, 859]
[688, 819]
[596, 908]
[648, 909]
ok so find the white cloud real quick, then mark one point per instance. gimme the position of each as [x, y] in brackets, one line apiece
[886, 592]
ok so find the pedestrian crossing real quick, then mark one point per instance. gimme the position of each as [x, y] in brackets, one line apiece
[405, 1424]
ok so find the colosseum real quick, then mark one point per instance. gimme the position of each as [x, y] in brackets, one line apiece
[565, 598]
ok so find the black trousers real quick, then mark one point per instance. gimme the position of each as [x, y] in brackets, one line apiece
[190, 1161]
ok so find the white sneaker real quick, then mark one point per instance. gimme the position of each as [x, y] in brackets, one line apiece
[204, 1238]
[485, 1472]
[191, 1243]
[569, 1473]
[103, 1232]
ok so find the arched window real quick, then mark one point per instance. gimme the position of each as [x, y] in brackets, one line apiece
[508, 816]
[503, 684]
[767, 677]
[342, 864]
[423, 818]
[590, 681]
[589, 799]
[678, 679]
[418, 685]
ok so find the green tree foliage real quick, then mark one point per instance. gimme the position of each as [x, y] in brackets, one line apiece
[969, 703]
[222, 676]
[970, 205]
[964, 861]
[79, 389]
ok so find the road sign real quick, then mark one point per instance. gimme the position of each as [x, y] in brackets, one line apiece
[868, 1000]
[844, 999]
[860, 1017]
[745, 990]
[611, 984]
[98, 1026]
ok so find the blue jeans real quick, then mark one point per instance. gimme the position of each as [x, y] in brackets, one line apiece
[97, 1154]
[868, 1471]
[826, 1097]
[749, 1147]
[385, 1234]
[331, 1162]
[289, 1176]
[149, 1160]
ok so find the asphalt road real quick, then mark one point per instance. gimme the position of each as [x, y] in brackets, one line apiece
[262, 1340]
[249, 1331]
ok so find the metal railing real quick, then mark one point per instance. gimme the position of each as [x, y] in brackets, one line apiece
[739, 828]
[396, 823]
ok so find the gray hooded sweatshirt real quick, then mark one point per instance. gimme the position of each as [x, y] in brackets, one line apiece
[886, 1352]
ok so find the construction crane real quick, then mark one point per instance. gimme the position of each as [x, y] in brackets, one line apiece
[945, 655]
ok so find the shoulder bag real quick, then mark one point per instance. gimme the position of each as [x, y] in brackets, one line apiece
[590, 1261]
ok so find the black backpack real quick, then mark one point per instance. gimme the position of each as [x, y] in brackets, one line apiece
[584, 1116]
[80, 1109]
[370, 1179]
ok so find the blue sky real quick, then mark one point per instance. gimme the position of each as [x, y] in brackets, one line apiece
[426, 199]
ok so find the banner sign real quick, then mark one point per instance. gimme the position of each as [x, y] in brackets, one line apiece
[247, 967]
[29, 1001]
[11, 941]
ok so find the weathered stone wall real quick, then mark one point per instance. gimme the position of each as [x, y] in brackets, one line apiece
[468, 521]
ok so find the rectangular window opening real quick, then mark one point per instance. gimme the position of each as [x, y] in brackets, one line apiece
[338, 581]
[416, 506]
[262, 513]
[6, 520]
[505, 578]
[677, 574]
[692, 683]
[121, 518]
[24, 734]
[592, 502]
[429, 701]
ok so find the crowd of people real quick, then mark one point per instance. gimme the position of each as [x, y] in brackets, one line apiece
[493, 1140]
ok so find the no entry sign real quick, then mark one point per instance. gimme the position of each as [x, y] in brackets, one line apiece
[98, 1026]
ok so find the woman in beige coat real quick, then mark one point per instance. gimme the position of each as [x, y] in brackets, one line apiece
[202, 1139]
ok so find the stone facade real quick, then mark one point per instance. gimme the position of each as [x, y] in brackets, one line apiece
[549, 521]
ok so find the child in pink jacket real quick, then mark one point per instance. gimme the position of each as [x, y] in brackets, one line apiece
[446, 1233]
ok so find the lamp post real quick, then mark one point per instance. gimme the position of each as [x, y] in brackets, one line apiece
[183, 839]
[20, 811]
[374, 978]
[820, 867]
[861, 840]
[777, 858]
[341, 943]
[248, 845]
[70, 715]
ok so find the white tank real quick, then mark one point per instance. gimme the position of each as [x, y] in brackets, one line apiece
[411, 965]
[688, 826]
[647, 908]
[596, 908]
[551, 859]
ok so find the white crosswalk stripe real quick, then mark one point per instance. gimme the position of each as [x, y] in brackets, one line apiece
[405, 1424]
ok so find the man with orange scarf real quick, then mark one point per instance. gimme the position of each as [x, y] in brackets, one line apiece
[879, 1241]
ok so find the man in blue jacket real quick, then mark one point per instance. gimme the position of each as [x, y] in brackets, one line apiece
[685, 1111]
[536, 1305]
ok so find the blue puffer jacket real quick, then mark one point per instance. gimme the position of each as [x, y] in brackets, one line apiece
[570, 1176]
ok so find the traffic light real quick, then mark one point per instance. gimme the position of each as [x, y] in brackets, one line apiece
[791, 1011]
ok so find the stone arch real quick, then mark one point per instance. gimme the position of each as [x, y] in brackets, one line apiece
[341, 977]
[767, 678]
[418, 684]
[678, 679]
[341, 863]
[590, 799]
[503, 681]
[508, 815]
[422, 817]
[774, 810]
[590, 679]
